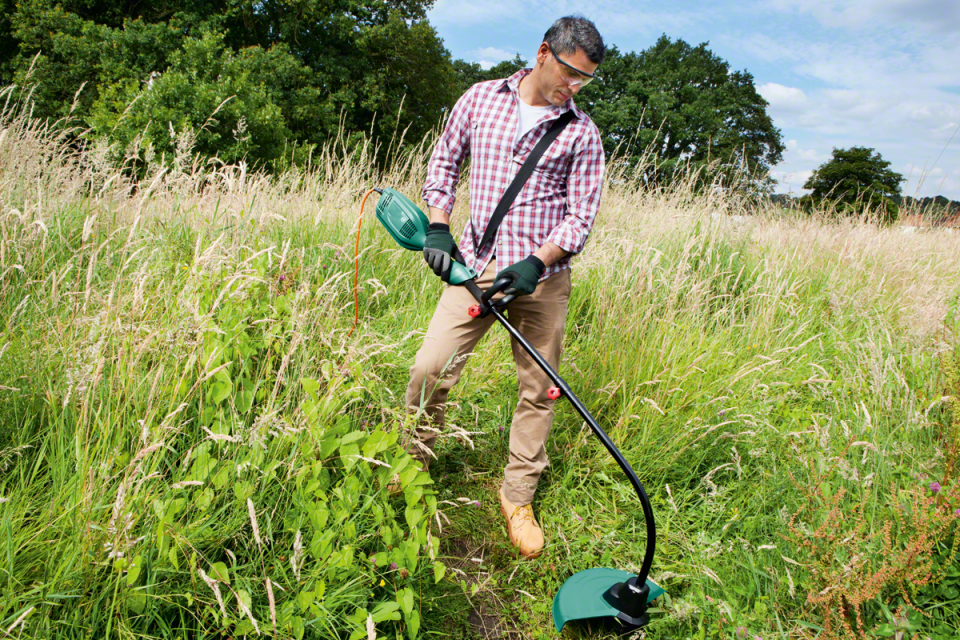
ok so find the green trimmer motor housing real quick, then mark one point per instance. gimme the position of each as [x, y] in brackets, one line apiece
[408, 225]
[598, 593]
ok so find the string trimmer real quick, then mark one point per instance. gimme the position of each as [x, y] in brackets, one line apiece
[593, 593]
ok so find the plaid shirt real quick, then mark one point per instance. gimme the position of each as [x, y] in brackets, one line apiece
[558, 203]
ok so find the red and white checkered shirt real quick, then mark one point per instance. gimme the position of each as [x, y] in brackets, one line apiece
[558, 203]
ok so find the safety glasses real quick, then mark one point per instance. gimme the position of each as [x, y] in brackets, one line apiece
[570, 74]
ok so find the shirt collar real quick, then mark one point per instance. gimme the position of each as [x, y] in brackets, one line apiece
[513, 84]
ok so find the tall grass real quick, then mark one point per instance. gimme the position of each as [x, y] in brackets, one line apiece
[190, 443]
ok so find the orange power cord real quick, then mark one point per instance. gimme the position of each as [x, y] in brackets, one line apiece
[356, 263]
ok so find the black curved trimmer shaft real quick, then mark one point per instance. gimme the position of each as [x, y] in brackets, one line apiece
[629, 597]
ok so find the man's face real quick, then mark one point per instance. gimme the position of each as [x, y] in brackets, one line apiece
[559, 82]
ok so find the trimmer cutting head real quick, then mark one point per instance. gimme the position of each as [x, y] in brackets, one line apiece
[604, 593]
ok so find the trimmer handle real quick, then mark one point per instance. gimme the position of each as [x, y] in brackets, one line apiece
[484, 297]
[494, 289]
[485, 305]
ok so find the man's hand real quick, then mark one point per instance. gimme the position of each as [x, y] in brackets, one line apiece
[438, 249]
[525, 275]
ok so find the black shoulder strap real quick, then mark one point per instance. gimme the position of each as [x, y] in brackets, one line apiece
[520, 179]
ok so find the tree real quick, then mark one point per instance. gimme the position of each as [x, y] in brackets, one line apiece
[301, 71]
[685, 107]
[470, 73]
[856, 179]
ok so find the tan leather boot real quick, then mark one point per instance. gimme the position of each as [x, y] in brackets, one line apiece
[525, 533]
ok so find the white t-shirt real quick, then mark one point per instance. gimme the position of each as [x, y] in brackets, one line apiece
[529, 116]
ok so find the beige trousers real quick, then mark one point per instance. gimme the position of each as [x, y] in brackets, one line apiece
[452, 336]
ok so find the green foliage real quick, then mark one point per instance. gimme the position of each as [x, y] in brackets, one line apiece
[291, 75]
[683, 106]
[229, 495]
[209, 100]
[270, 81]
[470, 73]
[855, 180]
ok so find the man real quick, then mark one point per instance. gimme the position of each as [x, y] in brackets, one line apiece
[497, 124]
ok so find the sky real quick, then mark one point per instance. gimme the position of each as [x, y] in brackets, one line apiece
[883, 74]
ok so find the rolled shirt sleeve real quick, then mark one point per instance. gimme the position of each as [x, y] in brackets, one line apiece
[452, 148]
[584, 188]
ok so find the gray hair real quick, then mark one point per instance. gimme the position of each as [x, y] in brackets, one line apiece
[568, 34]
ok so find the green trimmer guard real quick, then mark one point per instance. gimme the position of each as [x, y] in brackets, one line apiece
[582, 595]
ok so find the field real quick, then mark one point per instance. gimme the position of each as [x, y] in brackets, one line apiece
[193, 443]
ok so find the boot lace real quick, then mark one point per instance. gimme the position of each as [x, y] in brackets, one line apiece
[525, 514]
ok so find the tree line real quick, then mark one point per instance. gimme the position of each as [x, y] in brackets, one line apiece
[270, 80]
[858, 180]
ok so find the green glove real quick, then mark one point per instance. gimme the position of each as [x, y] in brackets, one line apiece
[525, 275]
[438, 249]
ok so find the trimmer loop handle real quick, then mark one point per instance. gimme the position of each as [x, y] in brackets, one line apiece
[494, 289]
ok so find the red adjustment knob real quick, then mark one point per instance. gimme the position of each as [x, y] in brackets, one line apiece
[474, 311]
[553, 393]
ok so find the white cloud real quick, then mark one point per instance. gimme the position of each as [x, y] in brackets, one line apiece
[791, 181]
[930, 180]
[795, 151]
[489, 56]
[781, 98]
[936, 16]
[886, 87]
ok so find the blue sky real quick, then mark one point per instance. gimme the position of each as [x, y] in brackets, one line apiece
[876, 73]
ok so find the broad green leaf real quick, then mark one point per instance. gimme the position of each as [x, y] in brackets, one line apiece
[223, 475]
[386, 611]
[322, 544]
[220, 390]
[353, 436]
[376, 442]
[133, 571]
[328, 445]
[349, 454]
[218, 571]
[243, 490]
[245, 598]
[318, 516]
[412, 549]
[203, 499]
[243, 628]
[439, 569]
[137, 602]
[405, 598]
[413, 514]
[244, 400]
[310, 385]
[412, 494]
[413, 624]
[298, 627]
